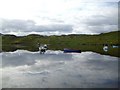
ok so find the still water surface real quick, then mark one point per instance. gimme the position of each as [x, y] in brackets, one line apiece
[55, 69]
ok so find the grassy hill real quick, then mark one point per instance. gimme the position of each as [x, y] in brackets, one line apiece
[59, 42]
[70, 40]
[74, 41]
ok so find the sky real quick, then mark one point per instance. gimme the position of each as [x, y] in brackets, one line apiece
[57, 17]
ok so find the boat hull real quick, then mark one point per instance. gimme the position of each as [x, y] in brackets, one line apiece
[72, 51]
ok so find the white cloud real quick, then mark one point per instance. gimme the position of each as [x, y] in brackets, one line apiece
[83, 16]
[27, 26]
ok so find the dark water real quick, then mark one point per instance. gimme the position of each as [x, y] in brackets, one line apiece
[55, 69]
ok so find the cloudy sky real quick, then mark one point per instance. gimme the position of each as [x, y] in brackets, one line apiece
[56, 17]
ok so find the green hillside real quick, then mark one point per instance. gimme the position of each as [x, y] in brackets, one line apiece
[71, 41]
[75, 41]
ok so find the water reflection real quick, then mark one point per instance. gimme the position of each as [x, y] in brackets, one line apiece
[56, 69]
[24, 57]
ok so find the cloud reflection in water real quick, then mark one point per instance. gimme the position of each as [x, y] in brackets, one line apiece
[56, 69]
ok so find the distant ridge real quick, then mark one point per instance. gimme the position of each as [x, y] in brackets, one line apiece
[60, 35]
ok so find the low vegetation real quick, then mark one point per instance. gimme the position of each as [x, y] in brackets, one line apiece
[74, 41]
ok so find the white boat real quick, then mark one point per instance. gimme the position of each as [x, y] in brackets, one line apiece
[105, 48]
[43, 48]
[115, 46]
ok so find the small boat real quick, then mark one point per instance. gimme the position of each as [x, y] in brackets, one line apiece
[105, 48]
[71, 51]
[115, 46]
[43, 48]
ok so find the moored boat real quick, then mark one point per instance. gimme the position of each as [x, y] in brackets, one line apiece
[71, 51]
[43, 48]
